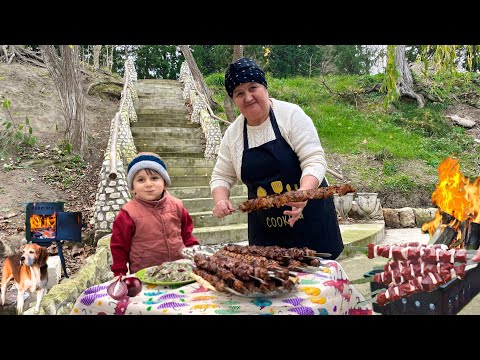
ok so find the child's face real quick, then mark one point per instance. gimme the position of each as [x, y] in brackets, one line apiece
[148, 184]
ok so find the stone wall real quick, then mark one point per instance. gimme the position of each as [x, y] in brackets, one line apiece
[200, 113]
[406, 217]
[113, 193]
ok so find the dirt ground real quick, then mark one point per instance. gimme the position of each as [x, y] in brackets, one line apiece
[45, 172]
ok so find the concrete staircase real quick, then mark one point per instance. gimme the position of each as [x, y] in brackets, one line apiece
[164, 127]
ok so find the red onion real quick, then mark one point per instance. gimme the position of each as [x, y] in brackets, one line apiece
[134, 286]
[117, 289]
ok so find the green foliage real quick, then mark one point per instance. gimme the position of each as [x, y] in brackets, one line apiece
[215, 80]
[65, 147]
[389, 168]
[401, 183]
[158, 62]
[14, 135]
[352, 59]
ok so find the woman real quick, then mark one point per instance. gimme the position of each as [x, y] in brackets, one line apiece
[273, 147]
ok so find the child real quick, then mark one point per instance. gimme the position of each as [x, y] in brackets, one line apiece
[154, 226]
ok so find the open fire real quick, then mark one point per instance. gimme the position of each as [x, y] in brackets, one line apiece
[43, 226]
[457, 220]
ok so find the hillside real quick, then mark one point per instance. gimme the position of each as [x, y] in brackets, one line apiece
[394, 151]
[46, 172]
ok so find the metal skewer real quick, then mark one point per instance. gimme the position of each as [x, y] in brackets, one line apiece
[258, 279]
[323, 255]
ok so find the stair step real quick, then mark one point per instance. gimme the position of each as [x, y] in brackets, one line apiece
[177, 131]
[161, 99]
[221, 234]
[151, 95]
[206, 204]
[205, 219]
[192, 170]
[164, 114]
[162, 110]
[159, 81]
[173, 161]
[166, 122]
[162, 141]
[197, 180]
[192, 192]
[188, 149]
[169, 154]
[193, 134]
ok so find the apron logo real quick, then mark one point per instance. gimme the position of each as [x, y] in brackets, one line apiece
[279, 221]
[261, 192]
[277, 188]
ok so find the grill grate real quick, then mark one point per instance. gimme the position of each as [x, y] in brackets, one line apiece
[448, 299]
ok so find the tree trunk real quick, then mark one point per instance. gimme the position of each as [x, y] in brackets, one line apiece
[110, 65]
[405, 79]
[228, 104]
[65, 71]
[197, 75]
[96, 56]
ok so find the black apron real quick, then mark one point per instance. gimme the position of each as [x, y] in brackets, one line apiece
[274, 168]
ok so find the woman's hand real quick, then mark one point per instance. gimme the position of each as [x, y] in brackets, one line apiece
[223, 208]
[476, 258]
[297, 209]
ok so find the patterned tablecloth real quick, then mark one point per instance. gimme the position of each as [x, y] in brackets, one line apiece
[326, 292]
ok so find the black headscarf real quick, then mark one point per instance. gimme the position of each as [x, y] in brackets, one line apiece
[241, 71]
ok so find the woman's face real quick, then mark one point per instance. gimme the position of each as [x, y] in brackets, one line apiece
[148, 184]
[252, 100]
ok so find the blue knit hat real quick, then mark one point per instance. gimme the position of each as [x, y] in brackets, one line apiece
[241, 71]
[147, 160]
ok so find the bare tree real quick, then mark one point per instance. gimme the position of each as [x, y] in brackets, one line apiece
[405, 79]
[96, 56]
[65, 71]
[197, 75]
[228, 104]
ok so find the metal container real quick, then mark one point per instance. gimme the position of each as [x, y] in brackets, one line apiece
[448, 299]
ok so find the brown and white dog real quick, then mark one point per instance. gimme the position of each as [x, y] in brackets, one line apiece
[29, 273]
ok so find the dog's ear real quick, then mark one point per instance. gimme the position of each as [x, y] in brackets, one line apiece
[42, 257]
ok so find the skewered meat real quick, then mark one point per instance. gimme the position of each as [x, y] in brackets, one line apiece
[430, 253]
[416, 268]
[402, 273]
[250, 269]
[279, 200]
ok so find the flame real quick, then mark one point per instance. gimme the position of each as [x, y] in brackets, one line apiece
[450, 193]
[432, 226]
[43, 222]
[456, 196]
[473, 196]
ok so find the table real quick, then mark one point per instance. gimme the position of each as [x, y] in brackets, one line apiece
[325, 292]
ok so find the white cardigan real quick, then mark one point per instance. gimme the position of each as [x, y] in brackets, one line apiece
[296, 128]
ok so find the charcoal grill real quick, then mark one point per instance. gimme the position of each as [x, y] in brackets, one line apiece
[46, 222]
[448, 299]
